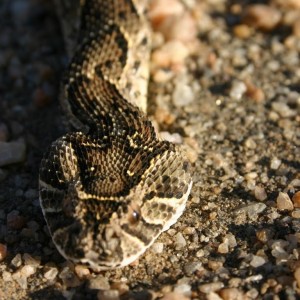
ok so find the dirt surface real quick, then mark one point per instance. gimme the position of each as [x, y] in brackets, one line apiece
[226, 84]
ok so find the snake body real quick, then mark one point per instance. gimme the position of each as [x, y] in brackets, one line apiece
[111, 186]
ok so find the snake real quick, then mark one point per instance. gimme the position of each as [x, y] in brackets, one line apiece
[110, 186]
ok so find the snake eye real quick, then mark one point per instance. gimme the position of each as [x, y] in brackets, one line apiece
[134, 215]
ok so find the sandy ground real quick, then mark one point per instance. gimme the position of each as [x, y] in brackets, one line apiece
[225, 83]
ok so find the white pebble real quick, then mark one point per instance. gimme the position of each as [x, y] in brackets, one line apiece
[237, 90]
[257, 261]
[284, 202]
[207, 288]
[183, 95]
[6, 276]
[28, 270]
[158, 248]
[180, 241]
[183, 288]
[275, 163]
[283, 109]
[51, 274]
[253, 209]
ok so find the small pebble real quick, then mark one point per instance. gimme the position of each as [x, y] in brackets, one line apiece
[12, 152]
[99, 283]
[171, 55]
[297, 276]
[108, 295]
[3, 132]
[6, 276]
[29, 260]
[261, 16]
[159, 10]
[242, 31]
[51, 273]
[253, 209]
[207, 288]
[232, 294]
[283, 109]
[180, 241]
[21, 280]
[296, 199]
[82, 271]
[174, 296]
[171, 137]
[3, 174]
[183, 289]
[191, 267]
[15, 221]
[157, 248]
[264, 235]
[69, 277]
[223, 248]
[275, 163]
[260, 193]
[3, 251]
[257, 261]
[17, 261]
[182, 95]
[237, 90]
[121, 287]
[41, 98]
[28, 270]
[284, 202]
[255, 93]
[296, 214]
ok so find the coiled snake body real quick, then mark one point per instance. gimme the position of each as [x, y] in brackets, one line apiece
[110, 187]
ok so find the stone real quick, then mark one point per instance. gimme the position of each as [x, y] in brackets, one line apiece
[29, 260]
[297, 276]
[3, 251]
[260, 193]
[174, 296]
[82, 271]
[257, 261]
[17, 261]
[3, 132]
[207, 288]
[284, 202]
[69, 277]
[99, 283]
[191, 267]
[296, 199]
[50, 273]
[261, 16]
[14, 220]
[252, 209]
[180, 241]
[28, 270]
[21, 280]
[12, 152]
[275, 163]
[183, 95]
[108, 295]
[232, 294]
[183, 288]
[283, 109]
[237, 90]
[157, 248]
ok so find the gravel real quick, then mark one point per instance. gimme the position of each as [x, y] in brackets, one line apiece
[225, 84]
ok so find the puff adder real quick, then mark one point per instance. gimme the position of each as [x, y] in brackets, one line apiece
[110, 186]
